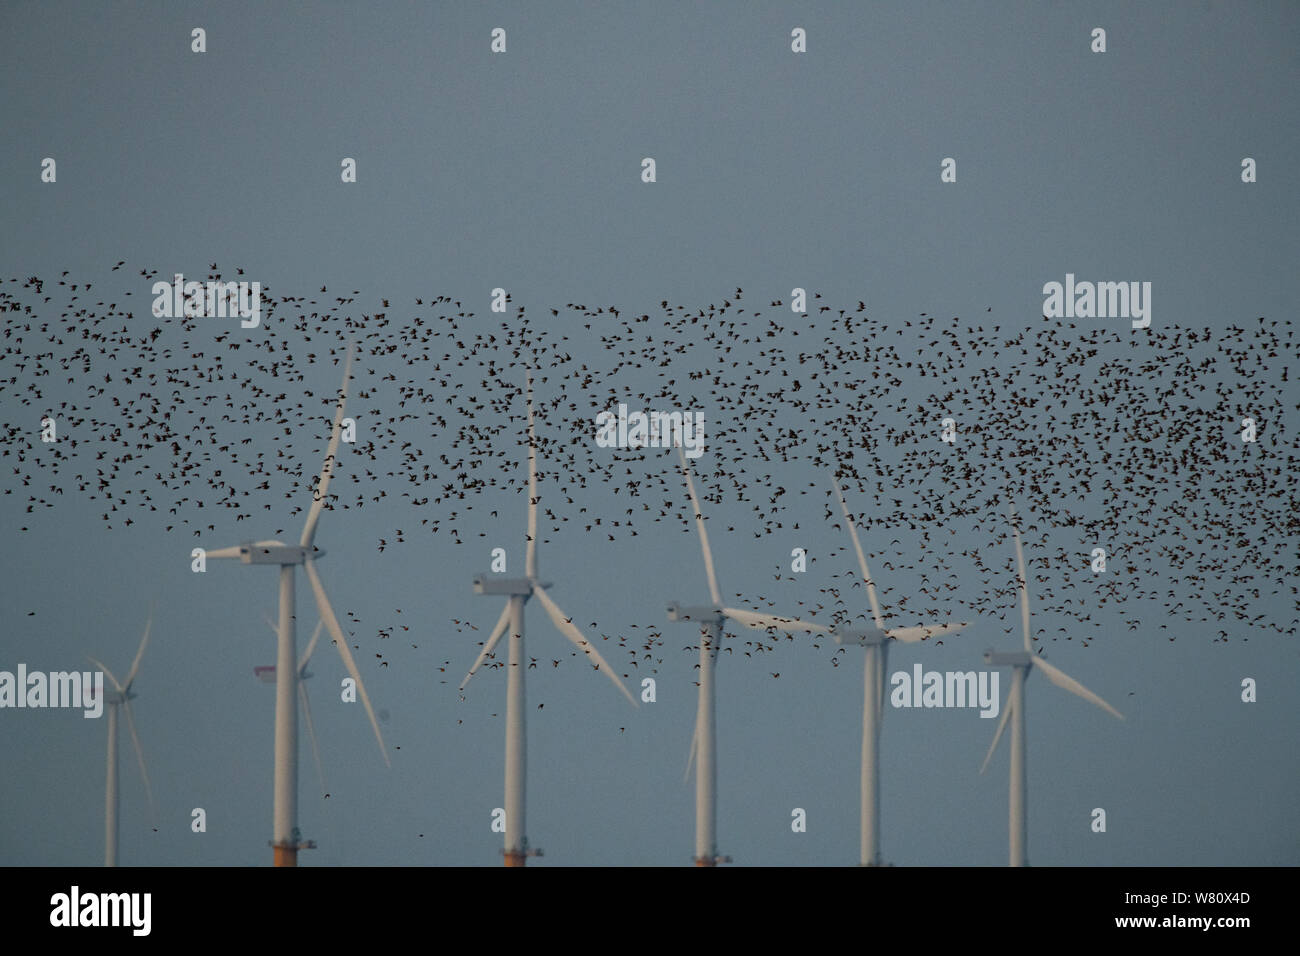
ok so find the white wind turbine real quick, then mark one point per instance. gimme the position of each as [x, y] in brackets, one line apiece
[712, 619]
[518, 591]
[286, 839]
[1022, 662]
[876, 643]
[121, 696]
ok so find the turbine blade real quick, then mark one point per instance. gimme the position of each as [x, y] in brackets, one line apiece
[311, 731]
[502, 623]
[909, 635]
[327, 470]
[275, 628]
[1002, 725]
[107, 673]
[764, 622]
[311, 646]
[530, 561]
[1020, 570]
[704, 535]
[139, 753]
[341, 641]
[1062, 679]
[135, 664]
[862, 558]
[566, 628]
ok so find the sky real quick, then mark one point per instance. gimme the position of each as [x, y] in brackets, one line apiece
[523, 170]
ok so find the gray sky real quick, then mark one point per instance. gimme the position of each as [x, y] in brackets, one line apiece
[775, 170]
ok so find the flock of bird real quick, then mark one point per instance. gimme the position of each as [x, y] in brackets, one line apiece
[1105, 437]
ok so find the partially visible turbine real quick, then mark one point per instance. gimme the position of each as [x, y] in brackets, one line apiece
[1022, 662]
[711, 619]
[286, 839]
[121, 696]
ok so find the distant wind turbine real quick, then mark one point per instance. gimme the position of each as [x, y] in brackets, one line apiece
[121, 696]
[876, 643]
[518, 591]
[286, 839]
[1022, 662]
[712, 619]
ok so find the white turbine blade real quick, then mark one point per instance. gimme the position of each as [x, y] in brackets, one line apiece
[311, 647]
[232, 552]
[862, 558]
[135, 664]
[1062, 679]
[275, 628]
[139, 753]
[341, 641]
[107, 672]
[1002, 725]
[502, 623]
[764, 622]
[909, 635]
[704, 535]
[566, 628]
[530, 560]
[311, 731]
[1020, 570]
[327, 471]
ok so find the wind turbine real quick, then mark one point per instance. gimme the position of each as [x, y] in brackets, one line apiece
[286, 839]
[712, 619]
[1022, 662]
[876, 643]
[518, 591]
[121, 696]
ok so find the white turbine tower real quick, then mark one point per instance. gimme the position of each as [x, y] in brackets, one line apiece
[286, 839]
[712, 619]
[876, 643]
[266, 674]
[518, 591]
[121, 696]
[1022, 662]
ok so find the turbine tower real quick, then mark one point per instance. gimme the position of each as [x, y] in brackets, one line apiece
[517, 592]
[1022, 662]
[876, 643]
[266, 674]
[286, 839]
[711, 619]
[121, 696]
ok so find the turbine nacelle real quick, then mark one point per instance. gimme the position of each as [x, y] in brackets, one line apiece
[273, 552]
[702, 613]
[1008, 658]
[266, 674]
[867, 637]
[113, 696]
[512, 587]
